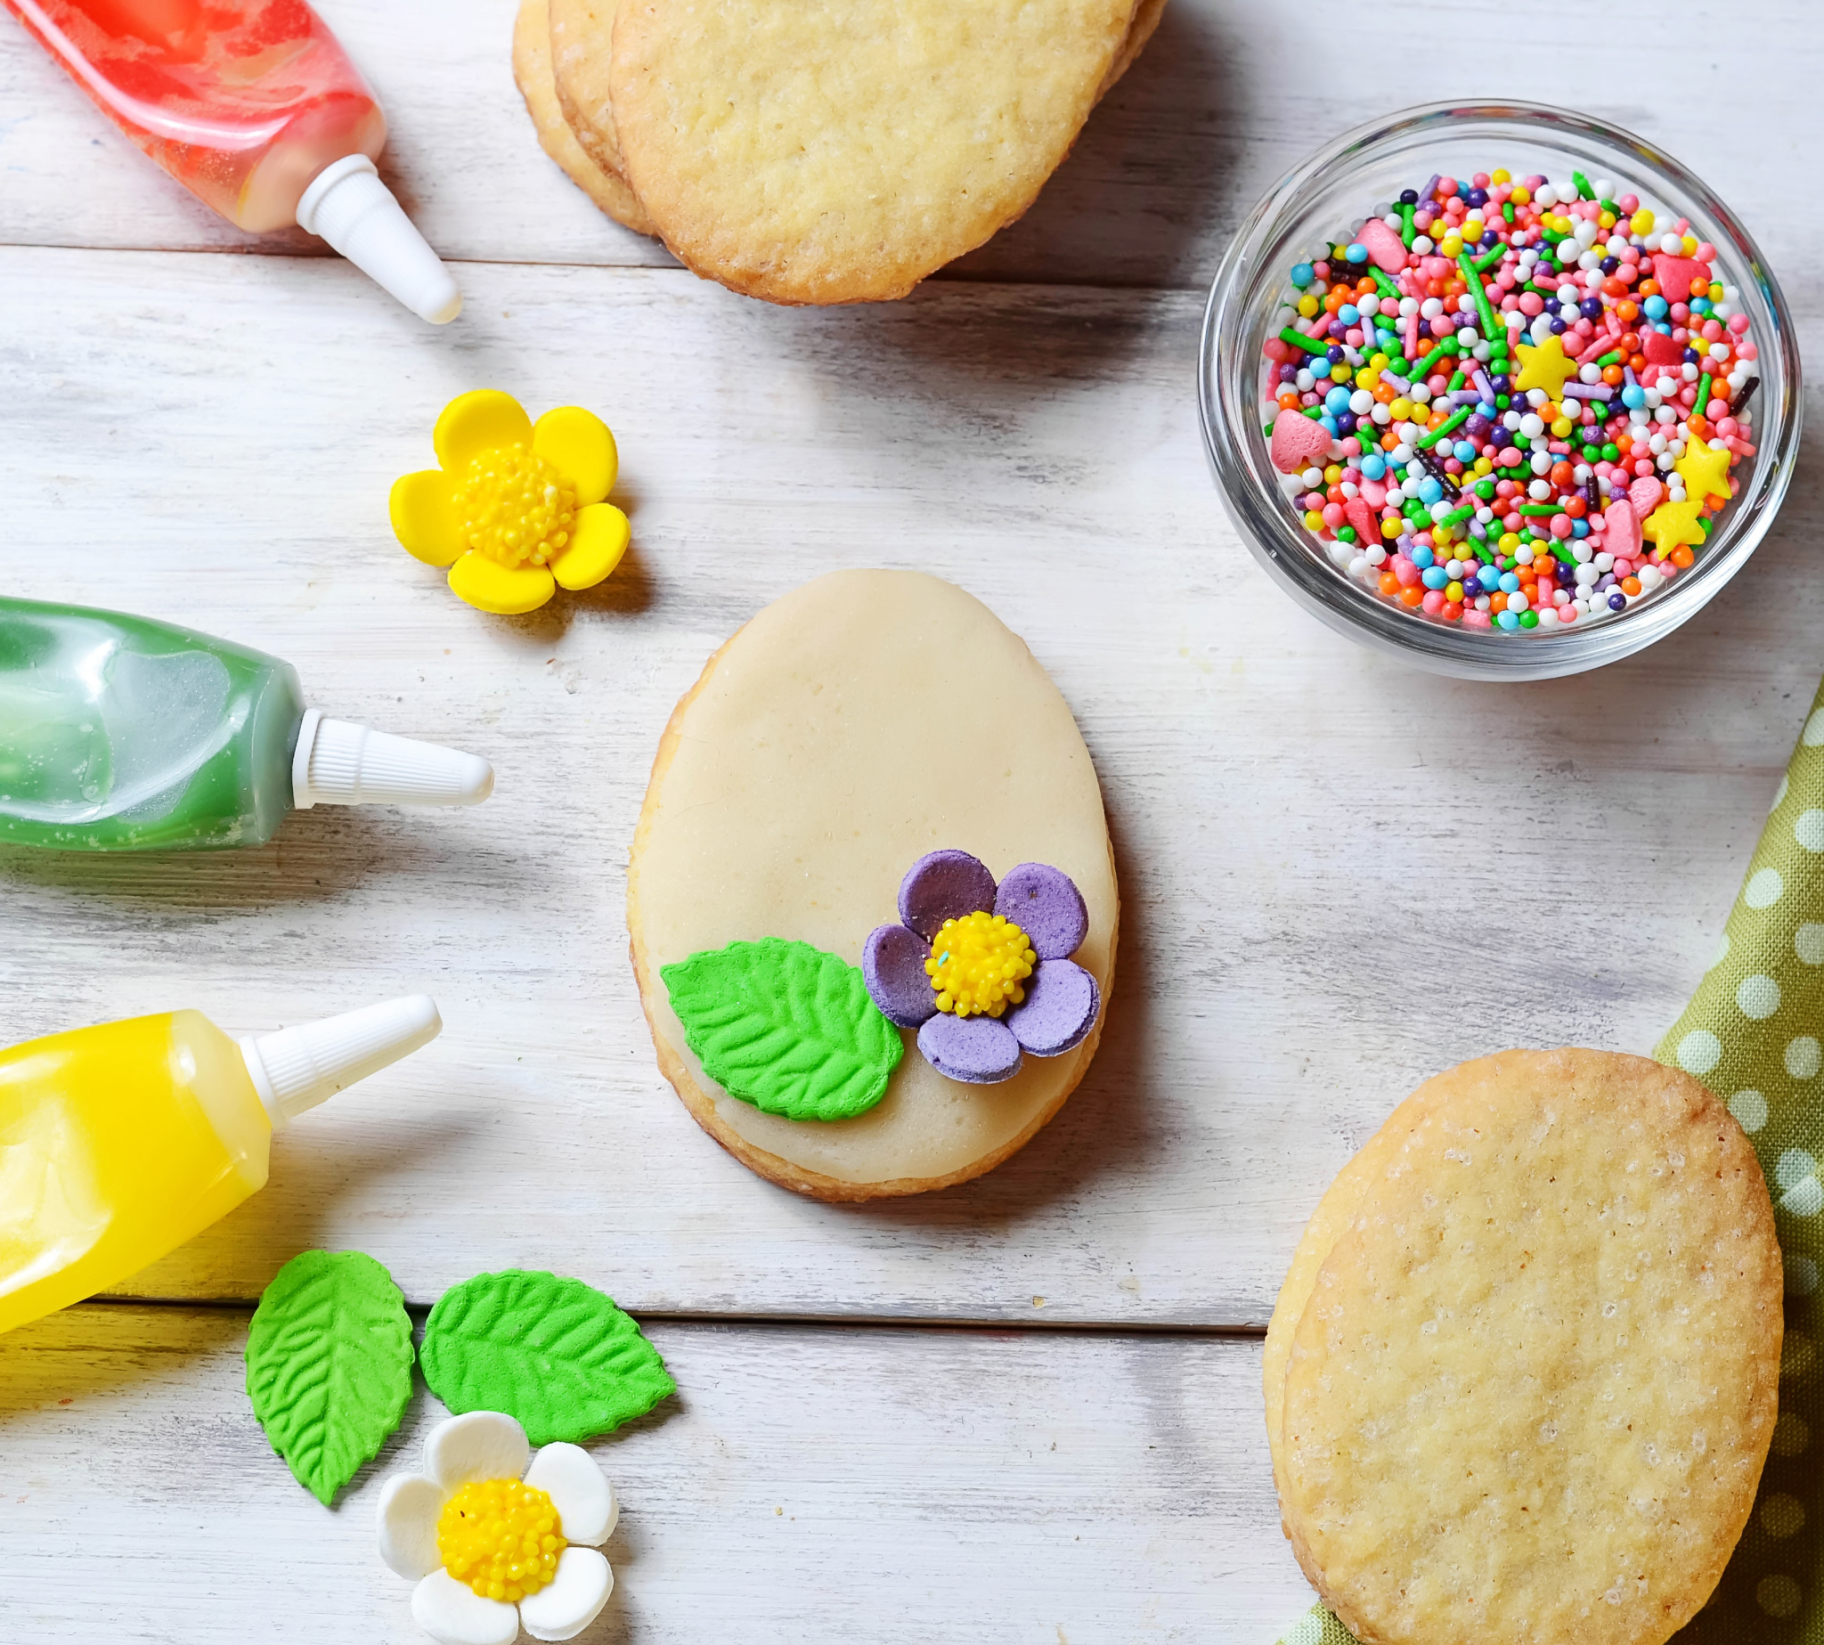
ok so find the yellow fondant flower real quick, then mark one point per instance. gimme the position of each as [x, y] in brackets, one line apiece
[516, 509]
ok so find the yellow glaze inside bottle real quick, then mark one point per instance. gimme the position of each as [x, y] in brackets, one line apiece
[117, 1144]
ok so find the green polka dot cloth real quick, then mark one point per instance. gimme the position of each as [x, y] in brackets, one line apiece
[1752, 1034]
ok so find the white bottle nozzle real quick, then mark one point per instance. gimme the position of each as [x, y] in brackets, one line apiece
[341, 763]
[297, 1068]
[355, 212]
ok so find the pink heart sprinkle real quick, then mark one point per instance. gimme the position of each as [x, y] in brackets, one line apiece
[1298, 441]
[1644, 495]
[1621, 525]
[1383, 245]
[1675, 275]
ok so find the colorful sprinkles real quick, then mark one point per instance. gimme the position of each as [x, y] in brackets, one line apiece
[1509, 403]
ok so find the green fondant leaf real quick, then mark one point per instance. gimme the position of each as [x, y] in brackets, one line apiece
[553, 1353]
[786, 1027]
[329, 1365]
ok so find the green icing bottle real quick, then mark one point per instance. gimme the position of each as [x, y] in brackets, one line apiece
[119, 733]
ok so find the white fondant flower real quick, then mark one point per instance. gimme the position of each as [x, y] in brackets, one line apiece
[466, 1459]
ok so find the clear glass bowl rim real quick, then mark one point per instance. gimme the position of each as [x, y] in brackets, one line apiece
[1228, 394]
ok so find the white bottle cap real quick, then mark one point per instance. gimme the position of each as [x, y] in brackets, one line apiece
[356, 213]
[297, 1068]
[341, 763]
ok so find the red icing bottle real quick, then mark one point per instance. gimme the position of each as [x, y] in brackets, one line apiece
[256, 109]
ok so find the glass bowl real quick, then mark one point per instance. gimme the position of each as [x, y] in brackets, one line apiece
[1334, 190]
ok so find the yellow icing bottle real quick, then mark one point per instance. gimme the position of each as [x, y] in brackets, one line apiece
[119, 1143]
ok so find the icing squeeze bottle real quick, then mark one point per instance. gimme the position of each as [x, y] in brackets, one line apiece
[255, 108]
[123, 734]
[119, 1143]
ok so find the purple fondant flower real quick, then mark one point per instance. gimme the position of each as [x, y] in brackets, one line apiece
[984, 972]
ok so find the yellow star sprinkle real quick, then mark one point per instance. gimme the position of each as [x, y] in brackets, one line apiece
[1546, 367]
[1705, 471]
[1672, 524]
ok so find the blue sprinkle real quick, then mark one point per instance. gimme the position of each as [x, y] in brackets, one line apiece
[1510, 581]
[1337, 400]
[1356, 252]
[1465, 451]
[1374, 465]
[1422, 557]
[1303, 275]
[1508, 619]
[1434, 577]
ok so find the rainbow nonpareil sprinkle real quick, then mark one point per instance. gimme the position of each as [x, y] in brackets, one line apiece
[1511, 404]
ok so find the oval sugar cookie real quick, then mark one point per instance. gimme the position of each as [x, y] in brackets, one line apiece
[819, 759]
[1532, 1391]
[842, 151]
[593, 172]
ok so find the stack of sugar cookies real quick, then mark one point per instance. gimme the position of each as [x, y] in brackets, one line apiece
[818, 151]
[1522, 1376]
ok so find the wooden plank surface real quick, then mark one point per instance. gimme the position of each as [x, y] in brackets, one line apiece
[893, 1486]
[1229, 95]
[1339, 876]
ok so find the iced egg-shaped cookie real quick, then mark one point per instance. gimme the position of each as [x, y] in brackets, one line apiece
[871, 895]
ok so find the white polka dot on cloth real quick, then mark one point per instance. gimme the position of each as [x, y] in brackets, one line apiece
[1796, 1354]
[1793, 1167]
[1749, 1109]
[1809, 830]
[1782, 1515]
[1722, 952]
[1801, 1276]
[1802, 1057]
[1814, 729]
[1791, 1435]
[1763, 889]
[1808, 944]
[1779, 794]
[1804, 1199]
[1700, 1051]
[1778, 1595]
[1758, 997]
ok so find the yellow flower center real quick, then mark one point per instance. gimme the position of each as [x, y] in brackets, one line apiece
[978, 963]
[515, 507]
[502, 1537]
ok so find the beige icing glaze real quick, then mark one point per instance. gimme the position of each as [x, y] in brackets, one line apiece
[850, 727]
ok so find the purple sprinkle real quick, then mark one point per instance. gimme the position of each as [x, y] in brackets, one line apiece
[1628, 377]
[972, 1050]
[1059, 1010]
[1430, 188]
[893, 966]
[1483, 386]
[1401, 383]
[1590, 391]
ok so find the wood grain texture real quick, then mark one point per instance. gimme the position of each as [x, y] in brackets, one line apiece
[1338, 876]
[1229, 95]
[893, 1486]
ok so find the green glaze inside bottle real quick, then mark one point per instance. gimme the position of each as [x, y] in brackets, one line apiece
[119, 733]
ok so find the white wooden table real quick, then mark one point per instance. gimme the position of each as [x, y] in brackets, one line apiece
[1025, 1410]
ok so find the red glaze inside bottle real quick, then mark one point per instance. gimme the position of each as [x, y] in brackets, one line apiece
[244, 102]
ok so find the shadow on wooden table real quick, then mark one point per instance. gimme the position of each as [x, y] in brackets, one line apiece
[92, 1351]
[1132, 205]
